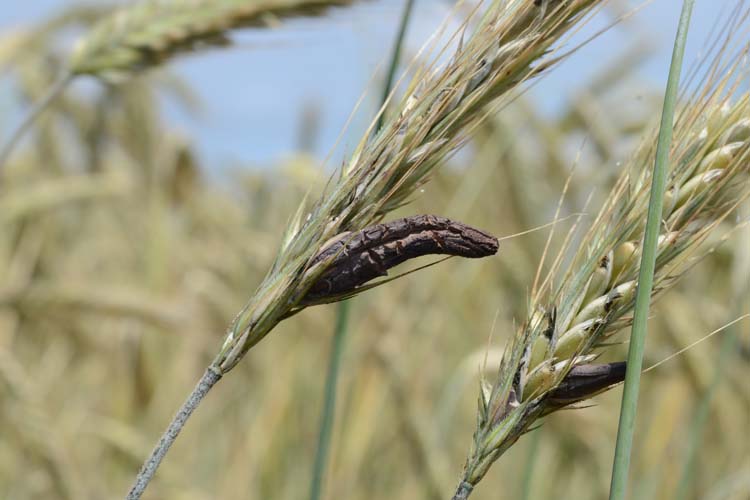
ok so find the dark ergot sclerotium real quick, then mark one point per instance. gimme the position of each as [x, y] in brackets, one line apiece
[585, 381]
[367, 254]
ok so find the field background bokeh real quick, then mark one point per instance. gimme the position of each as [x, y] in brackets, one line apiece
[138, 218]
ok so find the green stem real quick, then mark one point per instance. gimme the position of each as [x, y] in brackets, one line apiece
[329, 401]
[528, 469]
[626, 427]
[55, 90]
[701, 414]
[395, 58]
[342, 313]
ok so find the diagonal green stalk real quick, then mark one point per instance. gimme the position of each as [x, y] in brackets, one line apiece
[527, 481]
[55, 90]
[726, 355]
[329, 400]
[342, 312]
[728, 346]
[395, 58]
[628, 410]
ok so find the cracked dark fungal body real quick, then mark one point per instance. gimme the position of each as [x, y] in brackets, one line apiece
[356, 258]
[584, 381]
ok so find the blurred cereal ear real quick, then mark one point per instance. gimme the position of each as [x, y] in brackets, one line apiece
[148, 33]
[184, 175]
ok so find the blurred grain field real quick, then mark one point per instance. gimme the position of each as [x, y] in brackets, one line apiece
[123, 259]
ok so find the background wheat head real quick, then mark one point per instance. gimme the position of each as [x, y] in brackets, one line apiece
[151, 31]
[579, 307]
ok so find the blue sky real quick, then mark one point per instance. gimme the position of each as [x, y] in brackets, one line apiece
[253, 92]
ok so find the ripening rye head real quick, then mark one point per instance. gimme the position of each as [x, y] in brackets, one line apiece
[589, 297]
[512, 42]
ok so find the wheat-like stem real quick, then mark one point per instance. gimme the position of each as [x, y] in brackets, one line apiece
[344, 307]
[727, 355]
[37, 46]
[31, 115]
[547, 366]
[528, 470]
[329, 400]
[207, 381]
[626, 426]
